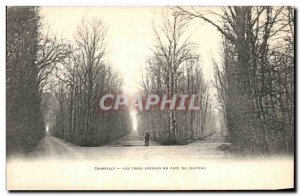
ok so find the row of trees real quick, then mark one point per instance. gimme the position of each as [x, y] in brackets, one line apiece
[81, 79]
[173, 69]
[24, 120]
[49, 81]
[255, 80]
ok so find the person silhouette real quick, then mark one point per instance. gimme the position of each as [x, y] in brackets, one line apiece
[147, 138]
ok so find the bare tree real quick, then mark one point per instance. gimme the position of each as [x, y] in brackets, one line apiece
[85, 77]
[174, 68]
[254, 104]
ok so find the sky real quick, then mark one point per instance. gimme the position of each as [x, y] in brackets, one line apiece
[130, 36]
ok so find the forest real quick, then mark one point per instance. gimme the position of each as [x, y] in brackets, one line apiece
[174, 68]
[55, 84]
[254, 81]
[50, 82]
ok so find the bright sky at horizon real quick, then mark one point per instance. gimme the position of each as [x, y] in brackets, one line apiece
[130, 36]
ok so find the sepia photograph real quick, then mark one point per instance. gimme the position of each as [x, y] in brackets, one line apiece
[150, 98]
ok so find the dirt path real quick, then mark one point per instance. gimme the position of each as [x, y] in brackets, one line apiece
[132, 139]
[126, 147]
[54, 147]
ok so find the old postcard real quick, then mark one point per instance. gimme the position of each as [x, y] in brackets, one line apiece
[150, 98]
